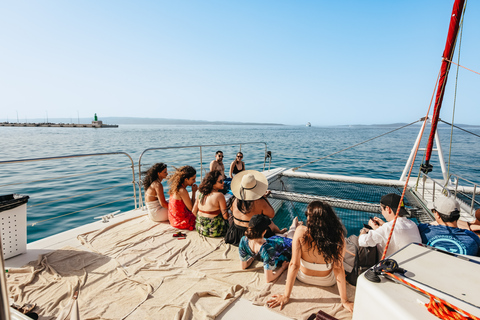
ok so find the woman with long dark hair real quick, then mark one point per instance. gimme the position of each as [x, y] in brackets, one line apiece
[210, 207]
[154, 197]
[181, 204]
[317, 254]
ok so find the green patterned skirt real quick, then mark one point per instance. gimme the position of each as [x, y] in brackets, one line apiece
[211, 227]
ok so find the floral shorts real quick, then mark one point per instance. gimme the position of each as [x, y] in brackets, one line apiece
[211, 227]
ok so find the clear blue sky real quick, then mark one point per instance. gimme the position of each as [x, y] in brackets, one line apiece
[327, 62]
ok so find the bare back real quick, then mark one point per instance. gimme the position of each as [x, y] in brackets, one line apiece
[309, 253]
[213, 205]
[260, 206]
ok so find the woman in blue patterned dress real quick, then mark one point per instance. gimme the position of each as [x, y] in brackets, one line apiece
[275, 252]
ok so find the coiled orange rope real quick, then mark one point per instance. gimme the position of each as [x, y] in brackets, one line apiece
[438, 307]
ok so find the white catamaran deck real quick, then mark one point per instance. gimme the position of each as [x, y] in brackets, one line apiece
[132, 268]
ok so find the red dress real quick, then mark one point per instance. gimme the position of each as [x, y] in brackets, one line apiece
[179, 215]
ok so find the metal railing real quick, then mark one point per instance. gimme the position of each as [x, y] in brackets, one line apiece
[460, 192]
[475, 189]
[436, 185]
[132, 166]
[200, 148]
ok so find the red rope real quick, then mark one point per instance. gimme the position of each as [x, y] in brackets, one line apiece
[438, 307]
[409, 173]
[462, 66]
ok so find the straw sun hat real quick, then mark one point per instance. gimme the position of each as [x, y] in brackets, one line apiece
[249, 185]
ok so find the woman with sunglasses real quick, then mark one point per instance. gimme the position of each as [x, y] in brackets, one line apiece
[180, 205]
[237, 165]
[210, 207]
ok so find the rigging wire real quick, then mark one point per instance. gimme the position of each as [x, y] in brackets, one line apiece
[450, 124]
[356, 145]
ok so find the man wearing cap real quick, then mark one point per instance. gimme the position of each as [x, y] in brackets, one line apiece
[446, 235]
[405, 231]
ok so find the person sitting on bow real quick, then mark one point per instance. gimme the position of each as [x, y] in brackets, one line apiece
[210, 207]
[154, 197]
[249, 188]
[446, 235]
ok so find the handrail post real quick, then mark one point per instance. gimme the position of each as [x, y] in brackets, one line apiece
[473, 199]
[201, 164]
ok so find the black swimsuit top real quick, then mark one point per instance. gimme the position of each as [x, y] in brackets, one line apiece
[240, 219]
[235, 169]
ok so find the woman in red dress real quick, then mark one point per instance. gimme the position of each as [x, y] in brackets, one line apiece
[180, 205]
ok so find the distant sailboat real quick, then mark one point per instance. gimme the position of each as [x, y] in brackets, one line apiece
[309, 124]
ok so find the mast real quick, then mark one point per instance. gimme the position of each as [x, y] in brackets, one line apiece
[442, 81]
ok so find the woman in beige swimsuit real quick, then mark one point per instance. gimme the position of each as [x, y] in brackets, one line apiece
[317, 254]
[154, 198]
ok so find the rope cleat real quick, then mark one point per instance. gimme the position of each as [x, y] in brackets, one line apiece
[383, 266]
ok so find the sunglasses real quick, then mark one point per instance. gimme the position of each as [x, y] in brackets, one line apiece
[240, 157]
[220, 181]
[220, 156]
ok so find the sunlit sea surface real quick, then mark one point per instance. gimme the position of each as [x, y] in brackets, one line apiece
[61, 189]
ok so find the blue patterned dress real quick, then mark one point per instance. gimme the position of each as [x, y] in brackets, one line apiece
[273, 252]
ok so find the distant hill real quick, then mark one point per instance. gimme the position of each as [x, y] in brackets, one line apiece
[131, 120]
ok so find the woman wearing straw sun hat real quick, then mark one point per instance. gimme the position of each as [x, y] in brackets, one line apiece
[249, 188]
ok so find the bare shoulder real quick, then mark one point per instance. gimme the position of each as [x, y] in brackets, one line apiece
[182, 191]
[300, 232]
[217, 195]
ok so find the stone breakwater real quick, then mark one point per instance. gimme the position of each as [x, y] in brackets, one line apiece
[58, 125]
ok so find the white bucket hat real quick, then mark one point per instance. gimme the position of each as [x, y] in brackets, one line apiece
[249, 185]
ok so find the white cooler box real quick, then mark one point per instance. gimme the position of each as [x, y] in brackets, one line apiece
[13, 224]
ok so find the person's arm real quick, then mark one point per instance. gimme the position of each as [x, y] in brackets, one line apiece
[271, 275]
[245, 264]
[161, 195]
[223, 206]
[339, 272]
[375, 223]
[231, 169]
[245, 253]
[195, 207]
[282, 299]
[194, 190]
[211, 165]
[374, 237]
[186, 198]
[267, 209]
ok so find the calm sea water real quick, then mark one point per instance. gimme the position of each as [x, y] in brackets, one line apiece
[60, 190]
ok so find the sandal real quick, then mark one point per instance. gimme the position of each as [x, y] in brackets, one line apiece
[27, 307]
[179, 234]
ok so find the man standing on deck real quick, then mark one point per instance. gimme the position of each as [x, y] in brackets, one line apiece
[405, 231]
[446, 235]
